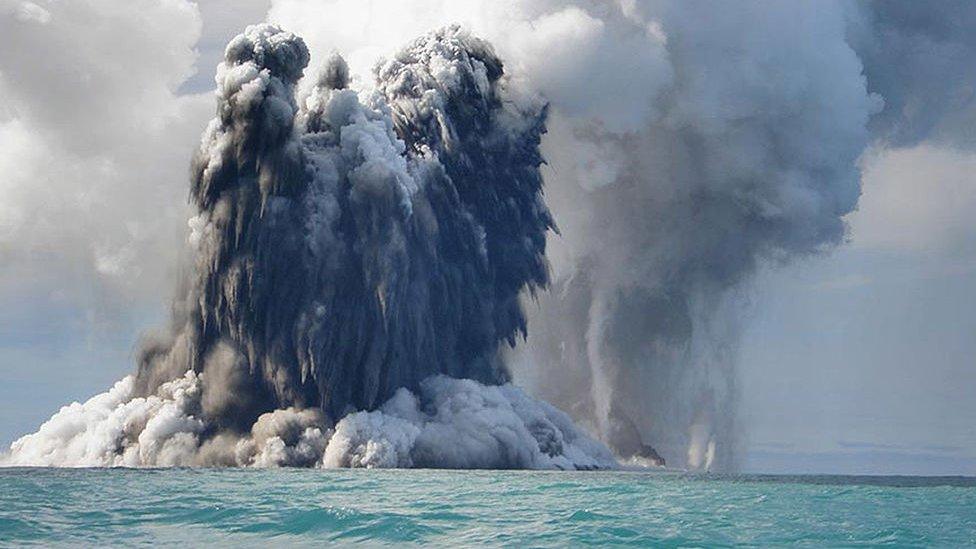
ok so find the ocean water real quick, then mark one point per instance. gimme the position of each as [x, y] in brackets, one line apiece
[289, 507]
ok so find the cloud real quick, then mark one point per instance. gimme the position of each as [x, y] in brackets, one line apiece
[94, 141]
[330, 225]
[917, 200]
[27, 12]
[918, 56]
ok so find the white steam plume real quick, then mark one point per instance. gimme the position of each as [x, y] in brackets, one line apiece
[448, 423]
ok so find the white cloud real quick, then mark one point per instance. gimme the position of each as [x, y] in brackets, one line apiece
[919, 199]
[94, 140]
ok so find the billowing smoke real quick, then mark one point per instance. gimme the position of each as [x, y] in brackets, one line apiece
[349, 247]
[352, 250]
[919, 57]
[350, 244]
[449, 422]
[688, 144]
[751, 156]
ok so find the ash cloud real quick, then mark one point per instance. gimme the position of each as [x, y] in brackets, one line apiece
[349, 246]
[751, 157]
[919, 58]
[351, 249]
[688, 144]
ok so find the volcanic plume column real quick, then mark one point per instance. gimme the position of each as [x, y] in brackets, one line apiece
[359, 258]
[234, 324]
[384, 238]
[750, 158]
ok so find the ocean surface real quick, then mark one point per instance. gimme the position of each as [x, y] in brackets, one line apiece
[289, 507]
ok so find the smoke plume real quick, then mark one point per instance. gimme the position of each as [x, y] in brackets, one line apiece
[354, 247]
[351, 250]
[752, 156]
[688, 145]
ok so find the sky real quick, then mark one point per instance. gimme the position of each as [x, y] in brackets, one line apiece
[862, 361]
[857, 359]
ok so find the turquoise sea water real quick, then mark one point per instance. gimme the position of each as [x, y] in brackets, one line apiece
[291, 507]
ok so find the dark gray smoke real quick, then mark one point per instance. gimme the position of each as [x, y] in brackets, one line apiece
[366, 248]
[919, 57]
[356, 256]
[349, 244]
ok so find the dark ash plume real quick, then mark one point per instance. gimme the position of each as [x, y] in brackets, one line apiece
[348, 245]
[373, 246]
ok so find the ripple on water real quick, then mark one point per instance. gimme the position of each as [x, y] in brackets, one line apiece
[294, 507]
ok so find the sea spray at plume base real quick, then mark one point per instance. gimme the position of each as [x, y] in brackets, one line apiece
[449, 423]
